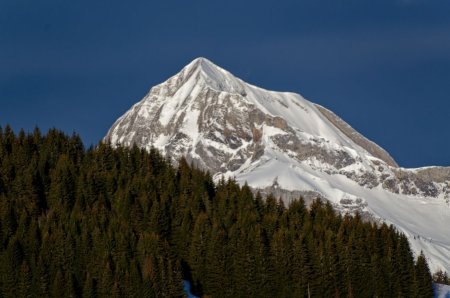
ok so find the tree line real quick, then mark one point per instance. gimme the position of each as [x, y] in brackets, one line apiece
[125, 222]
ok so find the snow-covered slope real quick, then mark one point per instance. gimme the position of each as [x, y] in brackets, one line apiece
[283, 143]
[441, 291]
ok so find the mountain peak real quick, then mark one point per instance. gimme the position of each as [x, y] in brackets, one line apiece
[205, 65]
[202, 62]
[205, 72]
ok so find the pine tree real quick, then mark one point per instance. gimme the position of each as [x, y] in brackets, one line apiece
[197, 251]
[423, 279]
[90, 287]
[62, 188]
[41, 278]
[59, 285]
[25, 284]
[217, 267]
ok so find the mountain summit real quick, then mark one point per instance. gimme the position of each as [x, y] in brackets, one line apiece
[203, 92]
[279, 142]
[204, 72]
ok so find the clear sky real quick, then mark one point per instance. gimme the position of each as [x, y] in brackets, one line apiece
[383, 66]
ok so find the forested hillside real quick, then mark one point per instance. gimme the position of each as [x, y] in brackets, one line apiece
[100, 222]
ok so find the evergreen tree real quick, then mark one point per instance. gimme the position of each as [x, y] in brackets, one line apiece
[423, 279]
[25, 284]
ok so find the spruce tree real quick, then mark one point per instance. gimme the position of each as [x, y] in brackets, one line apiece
[423, 279]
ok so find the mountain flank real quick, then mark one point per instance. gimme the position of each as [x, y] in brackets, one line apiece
[279, 142]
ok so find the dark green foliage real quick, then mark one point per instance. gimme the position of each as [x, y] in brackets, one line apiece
[121, 222]
[423, 278]
[82, 223]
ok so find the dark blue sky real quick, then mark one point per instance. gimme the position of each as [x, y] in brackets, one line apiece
[383, 66]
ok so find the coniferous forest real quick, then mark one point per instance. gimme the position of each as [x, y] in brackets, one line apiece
[124, 222]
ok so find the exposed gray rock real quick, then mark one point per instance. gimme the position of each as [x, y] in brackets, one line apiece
[359, 139]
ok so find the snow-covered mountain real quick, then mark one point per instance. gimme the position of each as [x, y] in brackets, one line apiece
[282, 143]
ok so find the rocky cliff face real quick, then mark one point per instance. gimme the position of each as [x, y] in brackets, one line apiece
[280, 142]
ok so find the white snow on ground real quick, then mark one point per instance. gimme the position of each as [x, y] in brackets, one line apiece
[187, 289]
[441, 291]
[421, 219]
